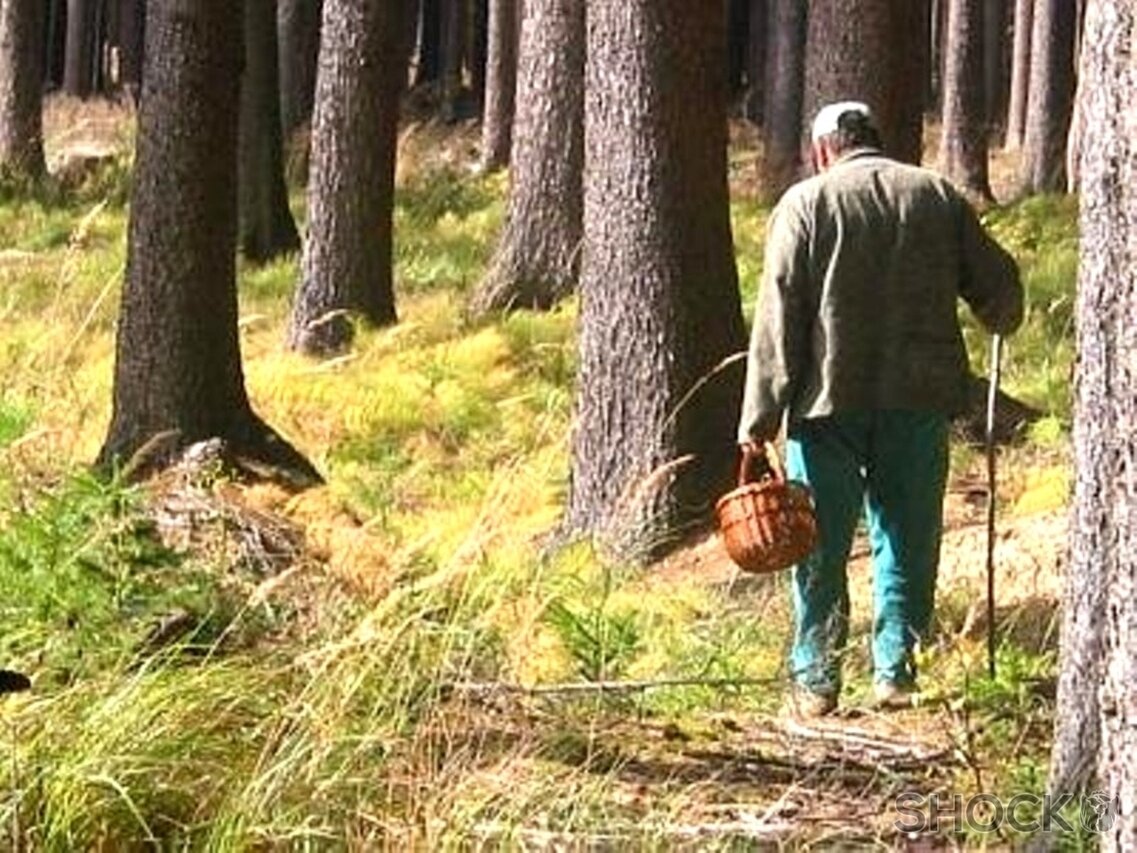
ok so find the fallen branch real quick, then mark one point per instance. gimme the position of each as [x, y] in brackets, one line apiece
[490, 687]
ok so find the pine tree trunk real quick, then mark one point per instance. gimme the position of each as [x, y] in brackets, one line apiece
[454, 20]
[79, 52]
[1051, 98]
[267, 228]
[501, 84]
[178, 377]
[347, 264]
[876, 51]
[21, 76]
[1096, 720]
[131, 23]
[757, 38]
[298, 25]
[737, 44]
[1020, 74]
[996, 77]
[963, 154]
[537, 258]
[659, 292]
[429, 67]
[478, 51]
[785, 85]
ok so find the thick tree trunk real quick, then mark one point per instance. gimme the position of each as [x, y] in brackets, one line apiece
[1096, 720]
[963, 153]
[298, 25]
[1020, 74]
[876, 51]
[1051, 99]
[785, 84]
[347, 265]
[79, 57]
[653, 442]
[178, 377]
[538, 256]
[501, 84]
[21, 75]
[758, 36]
[267, 228]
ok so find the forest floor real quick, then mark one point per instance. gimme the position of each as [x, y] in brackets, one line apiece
[397, 658]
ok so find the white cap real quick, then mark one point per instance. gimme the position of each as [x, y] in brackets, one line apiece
[827, 116]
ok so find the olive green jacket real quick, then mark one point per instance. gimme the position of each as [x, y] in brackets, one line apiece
[857, 309]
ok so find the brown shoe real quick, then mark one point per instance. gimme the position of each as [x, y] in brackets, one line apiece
[892, 696]
[807, 704]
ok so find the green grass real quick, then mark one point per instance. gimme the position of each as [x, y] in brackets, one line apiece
[319, 710]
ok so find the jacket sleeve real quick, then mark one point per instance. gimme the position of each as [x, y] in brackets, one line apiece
[990, 282]
[779, 340]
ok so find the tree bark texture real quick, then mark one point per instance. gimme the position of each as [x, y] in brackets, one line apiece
[1020, 74]
[758, 36]
[501, 84]
[298, 25]
[79, 55]
[21, 84]
[347, 264]
[876, 51]
[1096, 720]
[782, 160]
[1051, 99]
[963, 153]
[537, 259]
[178, 376]
[267, 228]
[653, 443]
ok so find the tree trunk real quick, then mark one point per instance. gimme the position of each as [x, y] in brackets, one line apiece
[429, 67]
[996, 71]
[653, 443]
[737, 45]
[501, 84]
[478, 51]
[178, 377]
[537, 258]
[963, 153]
[79, 52]
[1020, 74]
[55, 40]
[1051, 99]
[785, 85]
[1096, 719]
[347, 265]
[21, 82]
[454, 20]
[267, 228]
[876, 51]
[758, 35]
[298, 24]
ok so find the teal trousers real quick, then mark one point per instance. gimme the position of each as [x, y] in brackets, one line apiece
[891, 465]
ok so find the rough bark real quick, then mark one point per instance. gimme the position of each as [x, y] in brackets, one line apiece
[652, 447]
[1096, 720]
[876, 51]
[1020, 74]
[537, 258]
[758, 37]
[501, 84]
[1051, 98]
[267, 228]
[298, 24]
[963, 152]
[347, 264]
[178, 377]
[78, 79]
[785, 84]
[21, 75]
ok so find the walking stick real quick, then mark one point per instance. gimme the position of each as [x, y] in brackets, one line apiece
[992, 393]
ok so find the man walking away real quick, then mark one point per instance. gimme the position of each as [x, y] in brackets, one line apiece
[856, 342]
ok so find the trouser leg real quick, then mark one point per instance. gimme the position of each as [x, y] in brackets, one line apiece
[823, 453]
[906, 474]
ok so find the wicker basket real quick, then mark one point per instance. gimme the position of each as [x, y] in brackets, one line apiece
[767, 523]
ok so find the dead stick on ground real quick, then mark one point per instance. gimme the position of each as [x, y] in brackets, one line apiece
[604, 686]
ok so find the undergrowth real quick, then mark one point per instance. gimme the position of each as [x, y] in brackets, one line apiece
[444, 443]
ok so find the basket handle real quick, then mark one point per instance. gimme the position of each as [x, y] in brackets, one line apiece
[767, 457]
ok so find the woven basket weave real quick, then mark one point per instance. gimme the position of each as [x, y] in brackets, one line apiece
[767, 524]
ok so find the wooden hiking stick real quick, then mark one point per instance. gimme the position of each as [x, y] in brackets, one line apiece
[992, 393]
